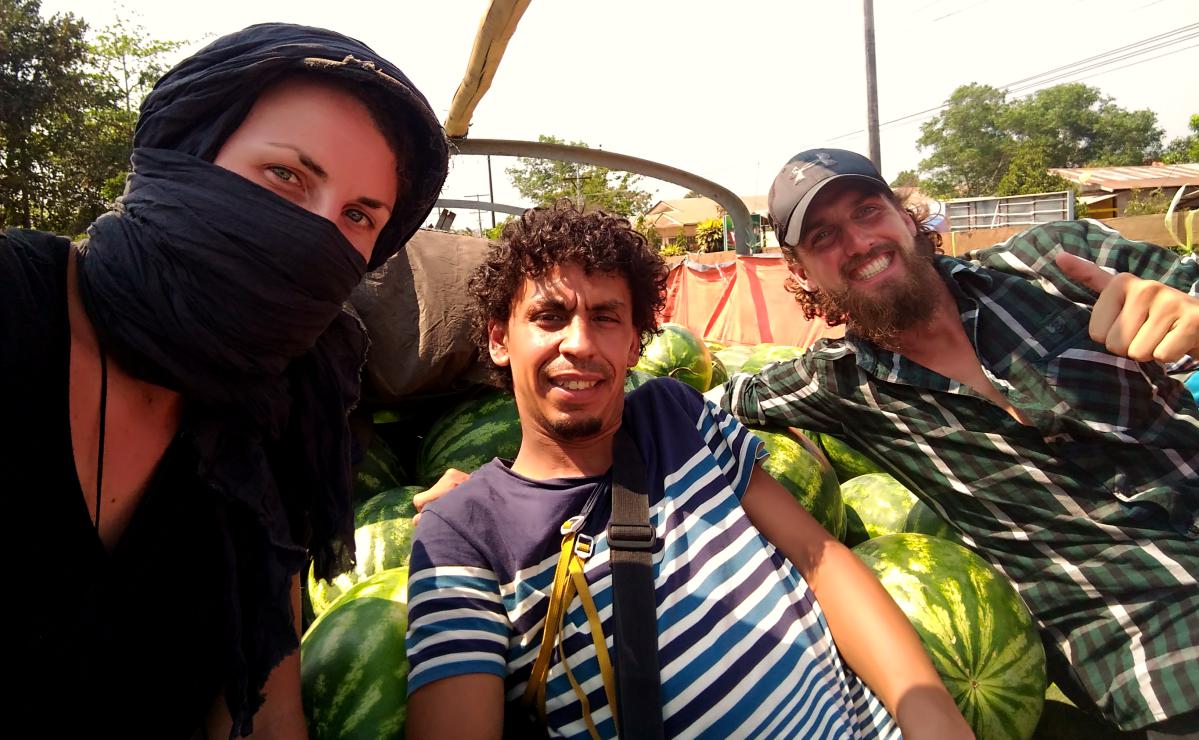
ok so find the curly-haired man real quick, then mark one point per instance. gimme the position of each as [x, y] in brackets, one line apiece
[1022, 394]
[566, 300]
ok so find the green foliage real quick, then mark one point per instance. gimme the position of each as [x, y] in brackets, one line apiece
[67, 113]
[646, 229]
[547, 181]
[970, 145]
[1184, 149]
[674, 249]
[709, 235]
[494, 232]
[1029, 173]
[981, 137]
[1141, 203]
[906, 179]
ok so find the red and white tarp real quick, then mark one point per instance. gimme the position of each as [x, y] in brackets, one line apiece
[736, 299]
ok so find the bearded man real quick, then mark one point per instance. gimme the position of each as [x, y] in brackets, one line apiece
[1021, 394]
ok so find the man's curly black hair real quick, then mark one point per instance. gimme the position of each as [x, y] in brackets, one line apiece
[543, 238]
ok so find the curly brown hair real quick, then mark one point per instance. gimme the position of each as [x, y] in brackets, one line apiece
[543, 238]
[928, 241]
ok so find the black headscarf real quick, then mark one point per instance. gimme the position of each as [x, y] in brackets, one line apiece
[205, 283]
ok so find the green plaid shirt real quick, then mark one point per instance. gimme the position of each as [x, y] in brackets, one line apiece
[1090, 510]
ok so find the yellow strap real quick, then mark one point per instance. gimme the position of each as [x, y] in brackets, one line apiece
[597, 638]
[535, 690]
[569, 580]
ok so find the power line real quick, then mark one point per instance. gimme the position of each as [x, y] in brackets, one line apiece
[1074, 68]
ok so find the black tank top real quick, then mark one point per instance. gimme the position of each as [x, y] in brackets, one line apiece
[100, 644]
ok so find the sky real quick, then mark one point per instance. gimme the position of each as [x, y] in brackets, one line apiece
[725, 90]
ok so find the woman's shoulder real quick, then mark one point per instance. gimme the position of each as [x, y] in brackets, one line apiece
[33, 270]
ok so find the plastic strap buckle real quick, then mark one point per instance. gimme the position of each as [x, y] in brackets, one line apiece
[631, 537]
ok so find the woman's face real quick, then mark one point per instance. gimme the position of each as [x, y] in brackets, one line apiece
[318, 146]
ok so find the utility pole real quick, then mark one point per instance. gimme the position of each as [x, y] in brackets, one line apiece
[871, 87]
[491, 191]
[479, 211]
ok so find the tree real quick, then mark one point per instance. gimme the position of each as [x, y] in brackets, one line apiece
[547, 181]
[981, 135]
[970, 146]
[1184, 149]
[1029, 173]
[906, 179]
[44, 89]
[67, 114]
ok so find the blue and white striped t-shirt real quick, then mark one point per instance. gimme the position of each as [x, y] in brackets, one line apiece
[743, 646]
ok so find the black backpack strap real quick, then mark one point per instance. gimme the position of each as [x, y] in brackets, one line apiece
[634, 609]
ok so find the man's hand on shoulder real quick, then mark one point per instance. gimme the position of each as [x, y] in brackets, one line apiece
[448, 481]
[1140, 319]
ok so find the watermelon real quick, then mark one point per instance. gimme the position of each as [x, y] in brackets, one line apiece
[379, 471]
[714, 346]
[734, 357]
[382, 538]
[880, 500]
[635, 379]
[678, 353]
[764, 354]
[848, 462]
[923, 520]
[470, 435]
[855, 529]
[807, 477]
[974, 626]
[720, 375]
[353, 668]
[392, 504]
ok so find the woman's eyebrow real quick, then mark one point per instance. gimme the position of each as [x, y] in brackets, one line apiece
[310, 164]
[305, 160]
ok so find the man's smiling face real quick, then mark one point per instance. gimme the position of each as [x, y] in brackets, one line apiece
[858, 252]
[569, 341]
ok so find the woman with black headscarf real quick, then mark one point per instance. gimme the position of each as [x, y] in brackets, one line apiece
[175, 429]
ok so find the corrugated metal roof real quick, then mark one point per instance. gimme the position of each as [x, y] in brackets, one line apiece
[1112, 179]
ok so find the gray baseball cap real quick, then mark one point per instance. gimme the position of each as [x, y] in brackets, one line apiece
[796, 186]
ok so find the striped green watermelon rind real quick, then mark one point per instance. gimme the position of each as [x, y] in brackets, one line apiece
[380, 545]
[720, 375]
[353, 668]
[734, 357]
[855, 529]
[678, 353]
[805, 477]
[379, 471]
[766, 353]
[634, 379]
[881, 501]
[392, 504]
[973, 624]
[470, 435]
[848, 462]
[923, 520]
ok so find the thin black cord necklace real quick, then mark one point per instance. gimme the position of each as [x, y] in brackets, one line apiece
[103, 417]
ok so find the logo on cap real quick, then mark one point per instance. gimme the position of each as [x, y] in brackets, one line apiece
[797, 172]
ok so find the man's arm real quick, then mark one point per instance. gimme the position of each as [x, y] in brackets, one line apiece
[871, 633]
[470, 707]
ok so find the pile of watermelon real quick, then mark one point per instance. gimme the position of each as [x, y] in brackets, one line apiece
[974, 625]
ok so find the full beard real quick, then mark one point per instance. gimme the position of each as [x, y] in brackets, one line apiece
[881, 315]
